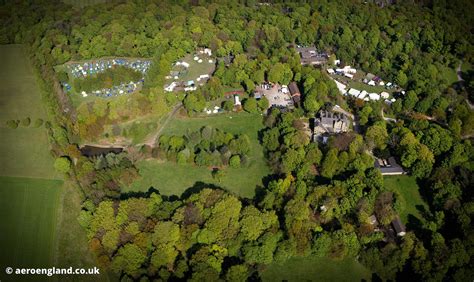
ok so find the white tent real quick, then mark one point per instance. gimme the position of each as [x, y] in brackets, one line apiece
[362, 94]
[374, 96]
[353, 92]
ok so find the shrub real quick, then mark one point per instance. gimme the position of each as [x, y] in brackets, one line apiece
[12, 124]
[26, 122]
[38, 122]
[234, 161]
[62, 164]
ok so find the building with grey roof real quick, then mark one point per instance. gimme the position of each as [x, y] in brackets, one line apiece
[310, 56]
[389, 166]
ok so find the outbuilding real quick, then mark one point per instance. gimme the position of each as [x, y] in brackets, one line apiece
[398, 226]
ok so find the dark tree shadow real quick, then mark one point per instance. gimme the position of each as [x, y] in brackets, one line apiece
[198, 187]
[139, 194]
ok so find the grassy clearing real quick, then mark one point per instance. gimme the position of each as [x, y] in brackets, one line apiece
[196, 69]
[28, 208]
[407, 187]
[449, 74]
[173, 179]
[316, 269]
[354, 83]
[371, 89]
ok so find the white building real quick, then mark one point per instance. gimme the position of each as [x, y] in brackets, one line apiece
[237, 100]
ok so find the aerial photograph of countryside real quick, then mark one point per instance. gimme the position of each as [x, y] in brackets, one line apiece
[237, 140]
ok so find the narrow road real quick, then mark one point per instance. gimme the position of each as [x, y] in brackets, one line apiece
[461, 81]
[150, 141]
[459, 71]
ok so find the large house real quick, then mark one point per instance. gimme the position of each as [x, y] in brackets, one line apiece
[310, 56]
[327, 123]
[333, 122]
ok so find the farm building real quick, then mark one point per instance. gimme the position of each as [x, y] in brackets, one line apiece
[373, 220]
[295, 92]
[237, 100]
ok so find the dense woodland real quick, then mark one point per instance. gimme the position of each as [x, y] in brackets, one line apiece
[213, 234]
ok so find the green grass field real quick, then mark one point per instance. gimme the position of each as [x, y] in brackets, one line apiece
[28, 208]
[172, 179]
[316, 269]
[24, 153]
[19, 94]
[39, 215]
[409, 190]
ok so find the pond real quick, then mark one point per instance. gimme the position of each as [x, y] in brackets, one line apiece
[94, 151]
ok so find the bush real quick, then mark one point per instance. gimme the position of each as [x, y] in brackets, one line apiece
[228, 105]
[62, 164]
[234, 161]
[250, 105]
[38, 122]
[12, 123]
[26, 122]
